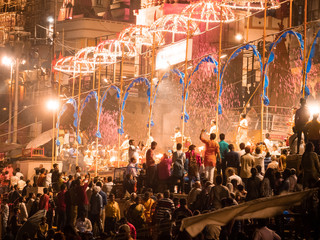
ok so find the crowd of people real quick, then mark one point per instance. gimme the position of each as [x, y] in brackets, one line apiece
[159, 194]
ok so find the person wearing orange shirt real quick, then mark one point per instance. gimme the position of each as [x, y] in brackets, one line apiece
[211, 154]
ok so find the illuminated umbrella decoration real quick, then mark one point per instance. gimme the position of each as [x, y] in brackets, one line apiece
[109, 50]
[141, 36]
[208, 12]
[251, 4]
[65, 65]
[175, 24]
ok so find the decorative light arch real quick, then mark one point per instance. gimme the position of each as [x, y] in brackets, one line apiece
[114, 48]
[92, 94]
[271, 56]
[104, 96]
[126, 94]
[75, 115]
[234, 54]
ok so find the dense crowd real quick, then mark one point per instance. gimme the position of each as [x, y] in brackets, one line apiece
[156, 196]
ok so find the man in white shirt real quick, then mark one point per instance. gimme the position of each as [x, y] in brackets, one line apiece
[213, 127]
[232, 175]
[14, 179]
[18, 173]
[21, 184]
[83, 225]
[243, 129]
[268, 142]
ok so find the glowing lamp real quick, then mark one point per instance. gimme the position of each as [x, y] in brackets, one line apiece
[314, 109]
[239, 37]
[7, 61]
[53, 105]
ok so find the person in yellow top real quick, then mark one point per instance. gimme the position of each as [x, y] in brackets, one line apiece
[42, 229]
[313, 132]
[283, 160]
[148, 203]
[112, 211]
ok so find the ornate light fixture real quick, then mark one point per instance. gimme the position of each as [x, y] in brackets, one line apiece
[208, 12]
[141, 35]
[109, 50]
[175, 24]
[253, 5]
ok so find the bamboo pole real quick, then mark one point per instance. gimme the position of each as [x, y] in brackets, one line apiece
[59, 86]
[120, 104]
[305, 47]
[151, 85]
[290, 15]
[97, 139]
[248, 22]
[219, 70]
[185, 88]
[263, 61]
[73, 82]
[79, 105]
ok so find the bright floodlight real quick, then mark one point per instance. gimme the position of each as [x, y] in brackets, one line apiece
[7, 61]
[239, 37]
[52, 104]
[314, 109]
[50, 19]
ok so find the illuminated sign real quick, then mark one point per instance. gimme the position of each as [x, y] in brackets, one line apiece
[173, 54]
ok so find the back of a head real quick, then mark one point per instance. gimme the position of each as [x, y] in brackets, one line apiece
[218, 180]
[183, 202]
[166, 194]
[230, 171]
[109, 179]
[153, 144]
[309, 147]
[197, 184]
[242, 146]
[45, 190]
[253, 171]
[267, 135]
[247, 149]
[179, 146]
[303, 101]
[212, 136]
[222, 136]
[258, 150]
[231, 147]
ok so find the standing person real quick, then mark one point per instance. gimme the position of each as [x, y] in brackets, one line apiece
[112, 214]
[213, 127]
[217, 193]
[313, 132]
[211, 154]
[267, 184]
[243, 129]
[96, 208]
[15, 222]
[132, 152]
[107, 187]
[23, 210]
[224, 148]
[259, 159]
[61, 207]
[177, 175]
[30, 202]
[163, 205]
[194, 163]
[300, 119]
[21, 184]
[179, 154]
[247, 162]
[4, 215]
[163, 169]
[14, 179]
[253, 185]
[148, 203]
[310, 166]
[44, 200]
[151, 166]
[268, 143]
[55, 177]
[232, 159]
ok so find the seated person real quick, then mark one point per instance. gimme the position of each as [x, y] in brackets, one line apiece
[83, 225]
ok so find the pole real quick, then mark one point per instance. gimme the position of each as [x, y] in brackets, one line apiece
[290, 15]
[120, 104]
[53, 135]
[185, 90]
[248, 22]
[219, 70]
[97, 139]
[305, 47]
[263, 63]
[79, 105]
[10, 103]
[62, 41]
[16, 92]
[73, 82]
[151, 86]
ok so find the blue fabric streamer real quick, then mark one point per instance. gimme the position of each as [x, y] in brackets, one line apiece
[133, 82]
[271, 59]
[104, 96]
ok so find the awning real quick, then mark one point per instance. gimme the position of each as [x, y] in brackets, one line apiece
[259, 208]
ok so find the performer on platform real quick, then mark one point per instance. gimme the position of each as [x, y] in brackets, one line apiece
[124, 149]
[213, 127]
[300, 119]
[133, 150]
[243, 129]
[177, 138]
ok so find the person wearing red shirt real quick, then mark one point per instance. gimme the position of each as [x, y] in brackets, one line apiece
[151, 166]
[61, 207]
[44, 200]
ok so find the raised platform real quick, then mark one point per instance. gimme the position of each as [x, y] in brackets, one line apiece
[27, 165]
